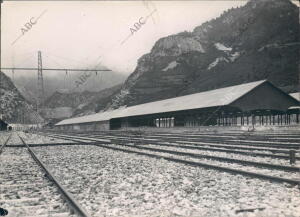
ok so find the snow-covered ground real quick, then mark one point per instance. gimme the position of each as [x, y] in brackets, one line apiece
[217, 60]
[170, 66]
[222, 47]
[112, 183]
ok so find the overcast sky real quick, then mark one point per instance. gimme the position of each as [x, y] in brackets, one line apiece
[77, 34]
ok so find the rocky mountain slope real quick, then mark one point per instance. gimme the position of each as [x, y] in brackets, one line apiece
[13, 106]
[66, 99]
[257, 41]
[98, 102]
[82, 103]
[71, 82]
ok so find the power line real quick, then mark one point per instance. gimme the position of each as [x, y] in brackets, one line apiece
[54, 69]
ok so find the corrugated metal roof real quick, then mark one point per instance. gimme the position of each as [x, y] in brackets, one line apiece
[212, 98]
[296, 95]
[103, 116]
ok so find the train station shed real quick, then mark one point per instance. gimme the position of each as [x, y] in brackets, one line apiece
[3, 125]
[255, 103]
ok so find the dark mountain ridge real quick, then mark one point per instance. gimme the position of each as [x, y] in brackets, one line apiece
[82, 103]
[27, 84]
[13, 106]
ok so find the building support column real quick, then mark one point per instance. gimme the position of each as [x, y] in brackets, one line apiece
[242, 119]
[285, 119]
[271, 119]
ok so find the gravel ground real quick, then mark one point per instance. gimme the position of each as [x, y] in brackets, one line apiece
[225, 154]
[273, 172]
[204, 144]
[208, 145]
[194, 136]
[223, 145]
[112, 183]
[3, 137]
[14, 139]
[30, 138]
[24, 190]
[224, 138]
[266, 142]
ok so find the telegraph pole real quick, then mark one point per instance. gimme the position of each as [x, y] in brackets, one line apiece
[40, 82]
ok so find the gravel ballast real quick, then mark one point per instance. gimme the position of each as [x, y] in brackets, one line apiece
[113, 183]
[24, 189]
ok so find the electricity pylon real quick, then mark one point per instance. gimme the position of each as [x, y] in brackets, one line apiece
[40, 82]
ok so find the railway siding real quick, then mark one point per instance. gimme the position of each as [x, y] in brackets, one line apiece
[115, 183]
[253, 170]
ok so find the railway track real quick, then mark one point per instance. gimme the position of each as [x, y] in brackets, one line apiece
[188, 158]
[117, 140]
[253, 135]
[196, 145]
[4, 144]
[204, 146]
[212, 140]
[275, 139]
[28, 188]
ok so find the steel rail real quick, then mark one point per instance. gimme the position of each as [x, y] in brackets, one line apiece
[4, 144]
[74, 205]
[224, 159]
[194, 146]
[210, 166]
[198, 147]
[247, 143]
[214, 140]
[41, 145]
[207, 135]
[209, 142]
[224, 136]
[242, 133]
[193, 135]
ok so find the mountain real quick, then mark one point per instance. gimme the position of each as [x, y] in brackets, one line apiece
[259, 40]
[98, 102]
[27, 83]
[66, 99]
[81, 103]
[13, 106]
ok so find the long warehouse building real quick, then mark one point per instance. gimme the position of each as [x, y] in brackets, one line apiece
[255, 103]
